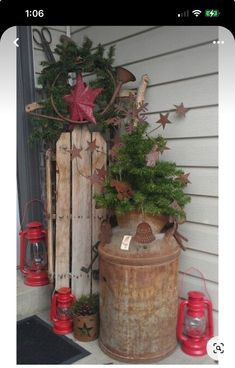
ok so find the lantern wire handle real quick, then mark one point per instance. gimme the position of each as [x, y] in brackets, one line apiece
[26, 209]
[202, 276]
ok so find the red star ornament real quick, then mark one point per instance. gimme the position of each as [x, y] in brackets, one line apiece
[81, 101]
[180, 109]
[164, 120]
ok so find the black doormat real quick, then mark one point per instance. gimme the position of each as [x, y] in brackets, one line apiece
[38, 344]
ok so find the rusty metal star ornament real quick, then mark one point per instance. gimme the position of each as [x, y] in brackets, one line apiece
[176, 219]
[124, 189]
[184, 178]
[163, 120]
[75, 152]
[92, 146]
[94, 179]
[181, 110]
[114, 121]
[113, 152]
[117, 144]
[117, 140]
[102, 173]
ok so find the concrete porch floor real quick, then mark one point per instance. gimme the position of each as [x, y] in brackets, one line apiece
[98, 357]
[37, 301]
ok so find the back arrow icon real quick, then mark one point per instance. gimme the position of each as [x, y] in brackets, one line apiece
[15, 42]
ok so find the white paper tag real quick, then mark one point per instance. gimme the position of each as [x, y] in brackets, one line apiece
[159, 236]
[126, 242]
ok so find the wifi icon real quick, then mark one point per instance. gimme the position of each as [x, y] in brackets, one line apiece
[196, 12]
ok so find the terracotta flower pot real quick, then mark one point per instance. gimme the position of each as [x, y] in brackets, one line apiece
[130, 220]
[86, 328]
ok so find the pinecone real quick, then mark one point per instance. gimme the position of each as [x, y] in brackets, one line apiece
[86, 305]
[85, 310]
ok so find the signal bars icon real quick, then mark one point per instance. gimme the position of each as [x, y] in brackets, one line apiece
[184, 14]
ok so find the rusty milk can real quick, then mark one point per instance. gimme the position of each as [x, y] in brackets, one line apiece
[139, 296]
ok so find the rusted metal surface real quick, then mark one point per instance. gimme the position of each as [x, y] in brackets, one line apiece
[129, 221]
[144, 233]
[85, 328]
[138, 299]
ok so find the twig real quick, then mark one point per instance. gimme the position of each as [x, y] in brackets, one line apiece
[45, 116]
[153, 129]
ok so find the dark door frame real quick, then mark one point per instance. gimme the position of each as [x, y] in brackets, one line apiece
[28, 156]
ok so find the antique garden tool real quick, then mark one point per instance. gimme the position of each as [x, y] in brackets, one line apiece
[104, 238]
[43, 39]
[123, 76]
[95, 250]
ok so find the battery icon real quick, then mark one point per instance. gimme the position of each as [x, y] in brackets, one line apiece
[211, 13]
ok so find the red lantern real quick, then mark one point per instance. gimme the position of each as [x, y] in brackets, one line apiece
[195, 324]
[62, 302]
[33, 255]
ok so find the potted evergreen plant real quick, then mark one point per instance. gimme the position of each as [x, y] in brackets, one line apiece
[85, 314]
[139, 184]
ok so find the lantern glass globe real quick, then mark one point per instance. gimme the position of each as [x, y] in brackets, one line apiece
[36, 255]
[195, 326]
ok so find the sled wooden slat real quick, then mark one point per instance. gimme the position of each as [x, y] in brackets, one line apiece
[99, 159]
[62, 251]
[50, 215]
[81, 212]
